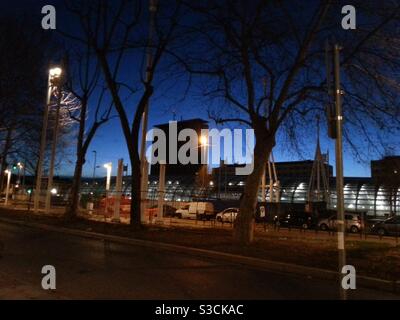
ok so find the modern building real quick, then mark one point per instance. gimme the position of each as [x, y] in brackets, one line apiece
[225, 174]
[375, 196]
[360, 194]
[191, 172]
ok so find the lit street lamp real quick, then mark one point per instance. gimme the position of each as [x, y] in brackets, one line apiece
[53, 147]
[203, 141]
[55, 72]
[108, 166]
[20, 168]
[8, 173]
[54, 75]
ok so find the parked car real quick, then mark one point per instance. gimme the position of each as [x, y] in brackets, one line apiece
[197, 210]
[352, 222]
[228, 215]
[180, 213]
[390, 226]
[168, 211]
[297, 219]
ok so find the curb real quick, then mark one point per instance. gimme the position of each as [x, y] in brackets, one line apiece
[262, 264]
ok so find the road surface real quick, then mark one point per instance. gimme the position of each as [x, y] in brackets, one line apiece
[93, 269]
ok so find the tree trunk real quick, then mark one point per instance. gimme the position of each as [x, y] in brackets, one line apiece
[81, 148]
[244, 225]
[135, 220]
[73, 205]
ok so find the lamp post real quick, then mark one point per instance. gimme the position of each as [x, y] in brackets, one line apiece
[118, 191]
[161, 192]
[53, 153]
[203, 140]
[94, 166]
[54, 73]
[108, 166]
[8, 173]
[21, 171]
[335, 131]
[339, 166]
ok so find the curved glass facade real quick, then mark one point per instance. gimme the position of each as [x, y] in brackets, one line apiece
[360, 194]
[363, 196]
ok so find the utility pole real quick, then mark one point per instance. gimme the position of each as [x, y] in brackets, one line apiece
[143, 162]
[339, 168]
[53, 153]
[23, 175]
[53, 73]
[219, 179]
[94, 167]
[8, 173]
[161, 193]
[118, 191]
[264, 176]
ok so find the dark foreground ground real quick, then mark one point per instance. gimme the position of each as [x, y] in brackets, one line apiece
[89, 269]
[372, 256]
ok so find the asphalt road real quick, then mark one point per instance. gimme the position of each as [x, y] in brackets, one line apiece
[93, 269]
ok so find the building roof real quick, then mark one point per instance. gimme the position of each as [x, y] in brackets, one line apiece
[186, 123]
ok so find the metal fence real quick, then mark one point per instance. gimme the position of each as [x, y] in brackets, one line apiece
[98, 205]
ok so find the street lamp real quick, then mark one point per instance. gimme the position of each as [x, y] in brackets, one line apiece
[94, 166]
[108, 166]
[54, 75]
[20, 167]
[203, 141]
[8, 173]
[55, 72]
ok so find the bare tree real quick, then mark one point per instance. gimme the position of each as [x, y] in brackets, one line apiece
[83, 84]
[240, 43]
[117, 34]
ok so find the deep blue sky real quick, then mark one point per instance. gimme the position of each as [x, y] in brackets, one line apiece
[110, 144]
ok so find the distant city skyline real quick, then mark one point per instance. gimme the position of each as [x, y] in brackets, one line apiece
[110, 137]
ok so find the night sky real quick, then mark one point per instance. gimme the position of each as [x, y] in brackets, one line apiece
[109, 141]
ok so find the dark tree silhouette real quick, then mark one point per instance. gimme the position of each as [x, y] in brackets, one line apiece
[238, 44]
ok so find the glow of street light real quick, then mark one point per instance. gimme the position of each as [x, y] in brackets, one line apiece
[7, 172]
[203, 140]
[53, 191]
[55, 72]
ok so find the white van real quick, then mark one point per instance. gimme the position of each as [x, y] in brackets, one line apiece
[196, 210]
